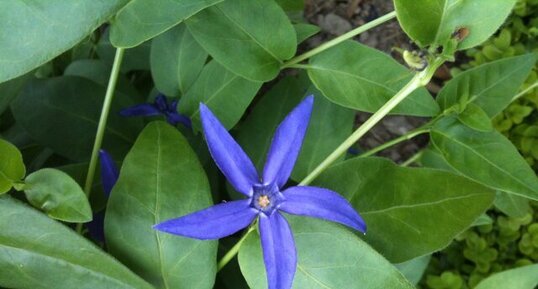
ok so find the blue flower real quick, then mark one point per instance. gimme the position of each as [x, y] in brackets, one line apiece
[266, 196]
[109, 177]
[159, 107]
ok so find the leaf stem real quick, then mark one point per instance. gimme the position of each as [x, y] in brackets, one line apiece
[525, 91]
[409, 135]
[102, 123]
[419, 80]
[339, 39]
[412, 159]
[234, 250]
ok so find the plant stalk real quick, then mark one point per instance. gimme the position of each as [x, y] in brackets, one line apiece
[234, 250]
[409, 135]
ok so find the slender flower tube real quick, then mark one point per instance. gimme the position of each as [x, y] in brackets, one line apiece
[159, 107]
[266, 195]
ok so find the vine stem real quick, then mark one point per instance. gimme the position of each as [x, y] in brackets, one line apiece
[412, 159]
[525, 91]
[419, 80]
[102, 123]
[387, 17]
[234, 250]
[409, 135]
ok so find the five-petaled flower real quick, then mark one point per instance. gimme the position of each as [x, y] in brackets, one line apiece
[159, 107]
[266, 196]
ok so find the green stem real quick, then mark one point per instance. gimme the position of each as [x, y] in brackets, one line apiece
[340, 39]
[525, 91]
[419, 80]
[234, 250]
[409, 135]
[102, 123]
[412, 159]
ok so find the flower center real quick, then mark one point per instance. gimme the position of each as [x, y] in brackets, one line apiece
[266, 198]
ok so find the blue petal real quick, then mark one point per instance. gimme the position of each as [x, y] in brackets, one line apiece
[144, 109]
[96, 227]
[287, 143]
[212, 223]
[172, 107]
[279, 254]
[109, 172]
[161, 103]
[229, 156]
[321, 203]
[175, 118]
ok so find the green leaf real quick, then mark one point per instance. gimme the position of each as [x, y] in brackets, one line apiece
[519, 278]
[483, 219]
[305, 31]
[486, 157]
[55, 27]
[10, 89]
[414, 268]
[256, 132]
[63, 112]
[176, 61]
[362, 78]
[329, 126]
[160, 179]
[490, 86]
[329, 257]
[434, 21]
[226, 94]
[142, 20]
[512, 205]
[12, 167]
[401, 205]
[474, 117]
[248, 37]
[58, 195]
[39, 253]
[291, 5]
[136, 58]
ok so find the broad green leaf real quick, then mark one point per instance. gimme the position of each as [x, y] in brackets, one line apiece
[402, 205]
[329, 126]
[291, 5]
[512, 205]
[474, 117]
[490, 86]
[58, 195]
[160, 179]
[12, 167]
[434, 21]
[226, 94]
[176, 61]
[141, 20]
[10, 89]
[63, 113]
[520, 278]
[37, 252]
[256, 132]
[34, 32]
[486, 157]
[329, 257]
[248, 37]
[305, 31]
[136, 58]
[432, 158]
[362, 78]
[414, 268]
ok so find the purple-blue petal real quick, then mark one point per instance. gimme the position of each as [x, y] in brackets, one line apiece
[321, 203]
[109, 172]
[161, 103]
[144, 109]
[175, 118]
[96, 227]
[214, 222]
[172, 107]
[279, 254]
[228, 155]
[287, 143]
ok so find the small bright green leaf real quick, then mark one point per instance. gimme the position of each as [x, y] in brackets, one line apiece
[435, 21]
[486, 157]
[248, 37]
[176, 61]
[256, 132]
[414, 268]
[141, 20]
[329, 257]
[484, 219]
[512, 205]
[474, 117]
[519, 278]
[362, 78]
[63, 112]
[12, 167]
[402, 205]
[226, 94]
[305, 31]
[490, 86]
[58, 195]
[160, 179]
[39, 253]
[34, 32]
